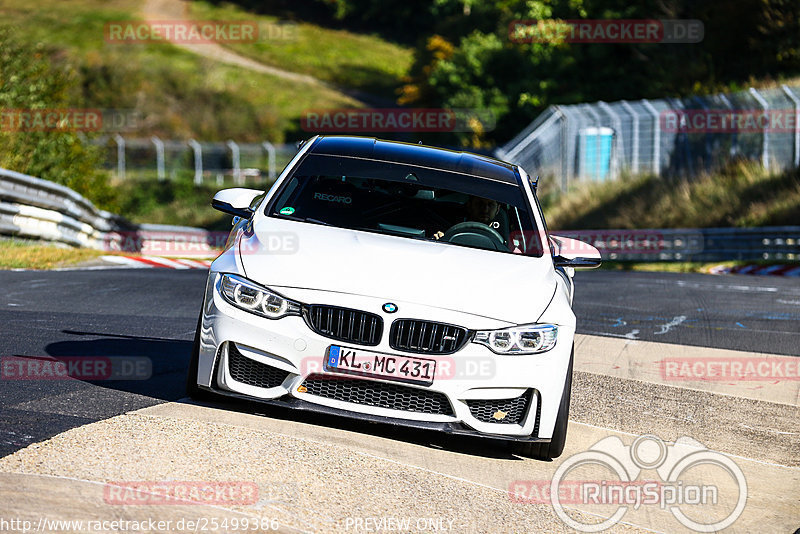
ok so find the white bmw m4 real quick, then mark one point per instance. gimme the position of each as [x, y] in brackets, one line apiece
[395, 283]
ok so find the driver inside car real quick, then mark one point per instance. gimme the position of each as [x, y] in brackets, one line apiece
[485, 211]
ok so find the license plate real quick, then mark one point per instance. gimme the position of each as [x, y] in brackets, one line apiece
[375, 364]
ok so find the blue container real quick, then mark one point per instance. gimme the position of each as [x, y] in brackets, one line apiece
[595, 153]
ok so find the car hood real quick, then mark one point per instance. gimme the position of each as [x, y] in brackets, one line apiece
[506, 287]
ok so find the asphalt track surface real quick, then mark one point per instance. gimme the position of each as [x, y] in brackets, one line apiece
[738, 312]
[152, 313]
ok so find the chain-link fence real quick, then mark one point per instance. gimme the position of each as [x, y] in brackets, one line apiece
[667, 137]
[167, 159]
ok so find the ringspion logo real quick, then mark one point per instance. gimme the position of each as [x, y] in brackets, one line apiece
[682, 487]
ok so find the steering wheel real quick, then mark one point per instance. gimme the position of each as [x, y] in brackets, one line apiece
[474, 234]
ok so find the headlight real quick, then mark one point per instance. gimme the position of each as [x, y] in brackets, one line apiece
[524, 339]
[257, 299]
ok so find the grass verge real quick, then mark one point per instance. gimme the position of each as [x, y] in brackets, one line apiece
[24, 254]
[178, 201]
[740, 195]
[679, 267]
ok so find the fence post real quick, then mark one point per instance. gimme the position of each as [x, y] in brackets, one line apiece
[237, 171]
[120, 156]
[198, 161]
[270, 148]
[656, 137]
[159, 144]
[635, 141]
[618, 146]
[765, 136]
[796, 101]
[564, 185]
[735, 135]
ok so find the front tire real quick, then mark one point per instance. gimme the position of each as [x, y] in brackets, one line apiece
[193, 391]
[553, 448]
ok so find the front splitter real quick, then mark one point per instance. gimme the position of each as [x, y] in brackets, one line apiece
[448, 428]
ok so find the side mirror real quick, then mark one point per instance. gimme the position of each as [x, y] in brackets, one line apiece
[568, 252]
[235, 201]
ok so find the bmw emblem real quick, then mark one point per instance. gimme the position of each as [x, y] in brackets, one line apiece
[390, 307]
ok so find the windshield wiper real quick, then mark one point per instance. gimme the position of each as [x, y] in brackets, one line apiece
[301, 219]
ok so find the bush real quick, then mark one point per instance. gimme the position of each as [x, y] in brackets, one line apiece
[30, 80]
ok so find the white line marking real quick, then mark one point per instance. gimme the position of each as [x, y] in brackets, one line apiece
[761, 429]
[696, 285]
[632, 334]
[124, 260]
[165, 262]
[193, 264]
[670, 325]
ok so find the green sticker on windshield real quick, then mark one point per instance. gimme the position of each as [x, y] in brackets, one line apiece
[286, 211]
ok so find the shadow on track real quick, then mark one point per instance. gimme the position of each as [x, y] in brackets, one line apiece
[473, 446]
[170, 359]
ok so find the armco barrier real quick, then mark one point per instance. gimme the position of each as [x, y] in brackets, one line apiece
[31, 207]
[693, 244]
[35, 208]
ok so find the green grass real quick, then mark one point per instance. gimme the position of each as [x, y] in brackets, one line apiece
[679, 267]
[179, 94]
[176, 201]
[364, 62]
[25, 254]
[741, 195]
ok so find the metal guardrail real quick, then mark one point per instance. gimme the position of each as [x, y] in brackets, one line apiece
[694, 244]
[36, 208]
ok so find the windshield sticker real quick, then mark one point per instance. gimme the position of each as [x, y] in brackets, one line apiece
[333, 198]
[286, 211]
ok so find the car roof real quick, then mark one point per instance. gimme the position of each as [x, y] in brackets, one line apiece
[417, 155]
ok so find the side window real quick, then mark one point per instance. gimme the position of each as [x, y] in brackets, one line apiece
[288, 191]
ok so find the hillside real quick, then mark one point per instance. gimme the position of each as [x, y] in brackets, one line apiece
[740, 195]
[183, 95]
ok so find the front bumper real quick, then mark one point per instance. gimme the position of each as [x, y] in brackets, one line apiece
[296, 353]
[301, 405]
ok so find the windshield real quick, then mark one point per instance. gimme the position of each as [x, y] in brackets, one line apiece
[410, 202]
